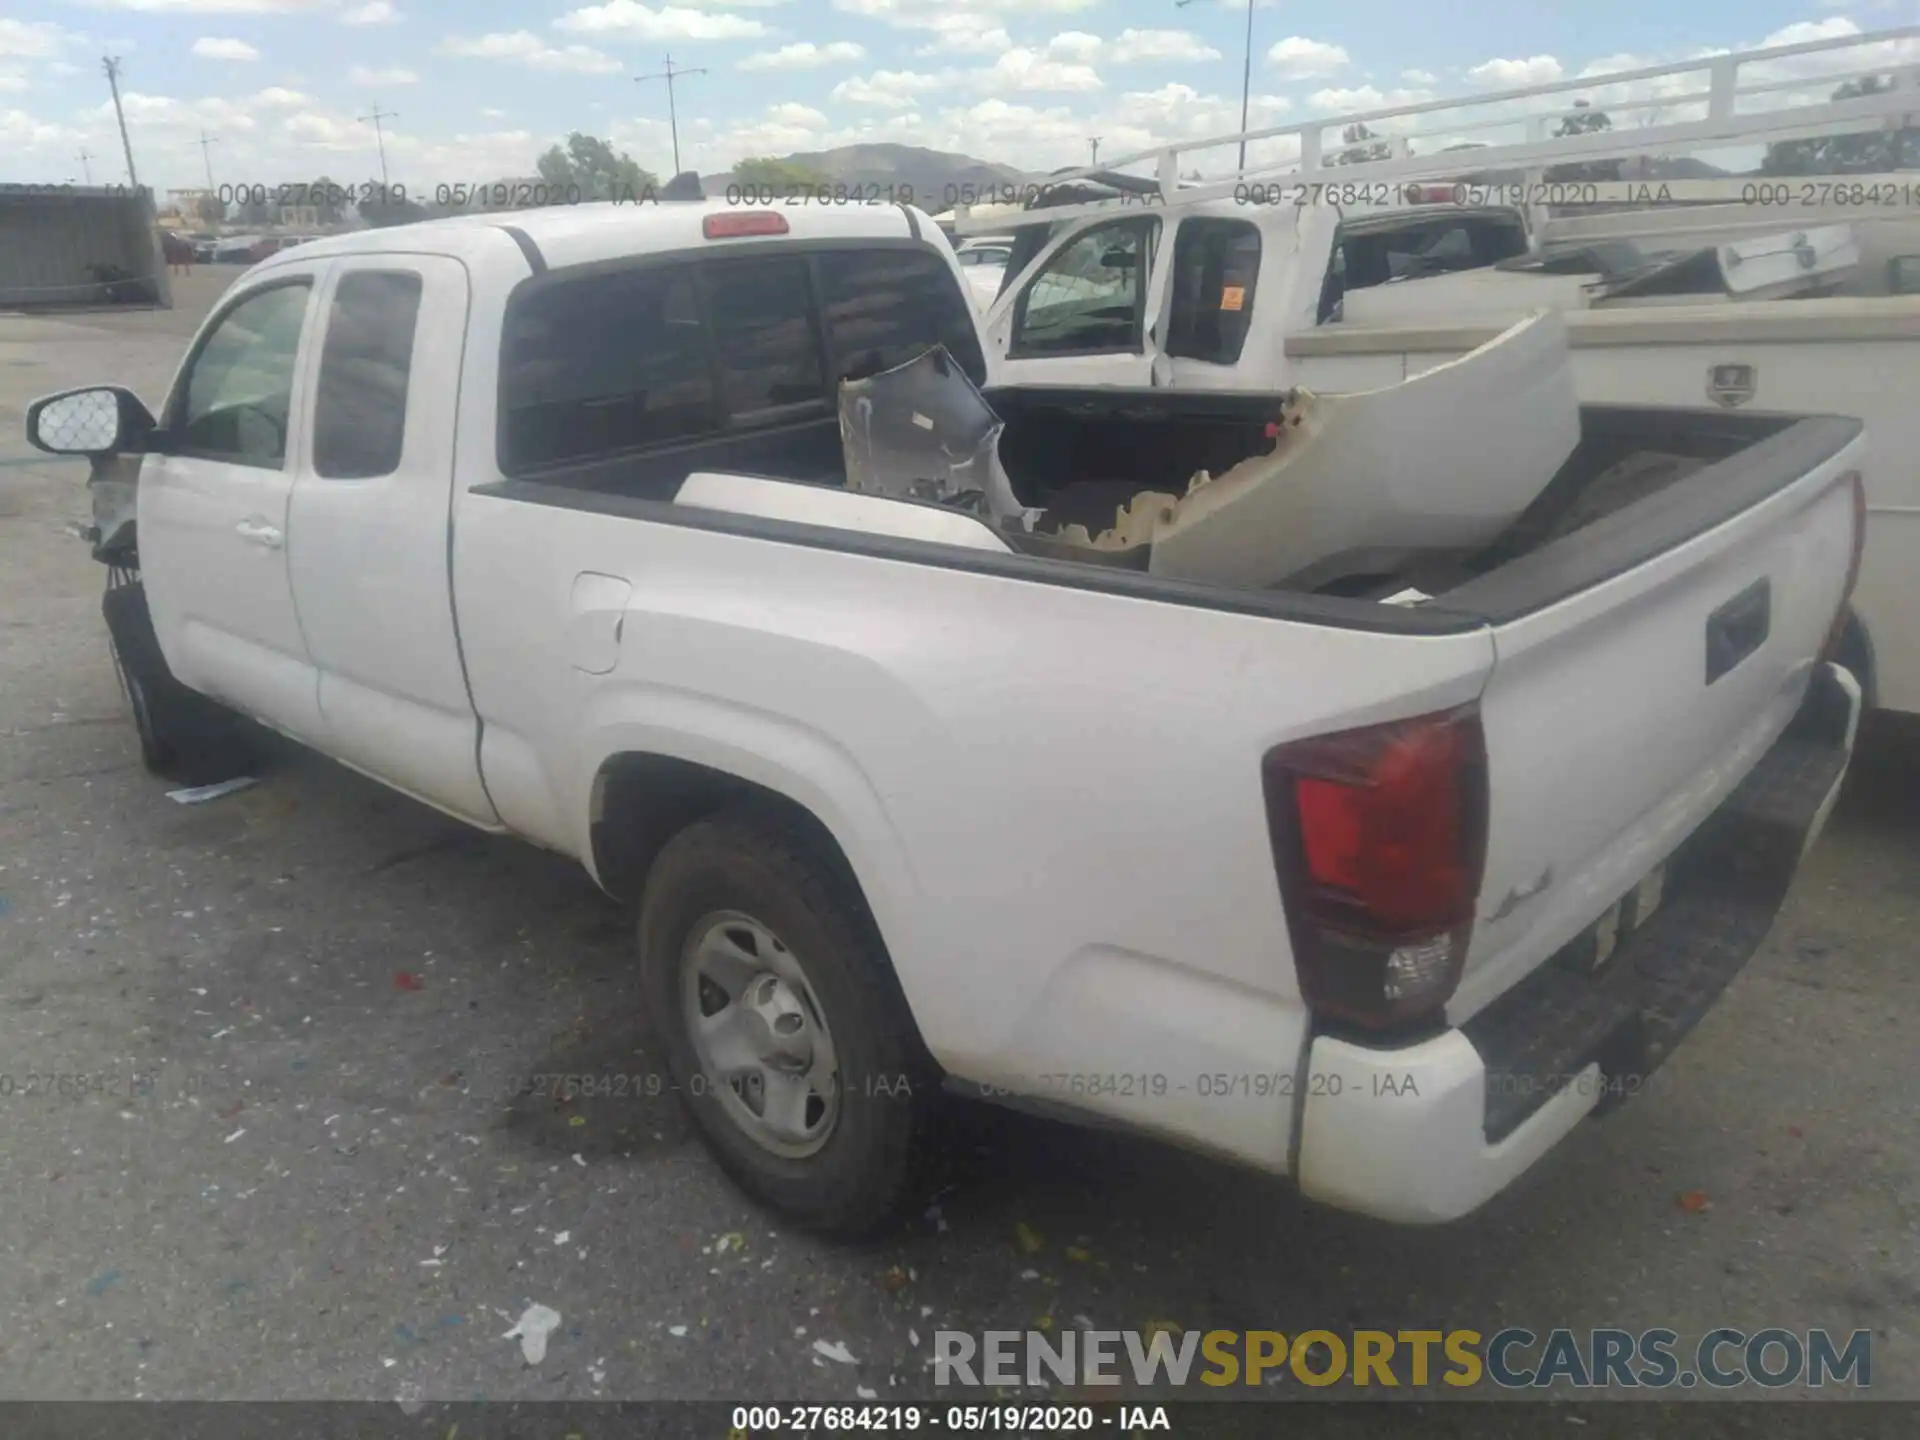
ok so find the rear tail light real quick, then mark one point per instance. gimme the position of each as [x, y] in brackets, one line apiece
[743, 222]
[1379, 841]
[1435, 194]
[1838, 633]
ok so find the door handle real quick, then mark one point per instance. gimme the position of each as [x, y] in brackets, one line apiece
[258, 532]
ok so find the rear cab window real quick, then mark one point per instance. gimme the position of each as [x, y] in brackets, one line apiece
[664, 350]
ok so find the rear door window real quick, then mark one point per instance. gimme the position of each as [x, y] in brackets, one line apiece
[360, 416]
[1215, 264]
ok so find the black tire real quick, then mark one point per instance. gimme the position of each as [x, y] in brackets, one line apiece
[751, 862]
[183, 735]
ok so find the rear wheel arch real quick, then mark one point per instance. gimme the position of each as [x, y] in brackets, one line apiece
[641, 800]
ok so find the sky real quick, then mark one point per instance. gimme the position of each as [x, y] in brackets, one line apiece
[477, 90]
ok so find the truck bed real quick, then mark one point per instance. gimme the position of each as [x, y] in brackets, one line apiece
[1082, 455]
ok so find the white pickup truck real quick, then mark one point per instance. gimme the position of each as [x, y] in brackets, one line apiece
[1384, 897]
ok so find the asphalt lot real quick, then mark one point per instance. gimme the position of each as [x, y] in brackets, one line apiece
[298, 1174]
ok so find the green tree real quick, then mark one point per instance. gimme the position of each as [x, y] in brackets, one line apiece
[210, 210]
[764, 172]
[1584, 121]
[1358, 146]
[1864, 153]
[380, 211]
[327, 199]
[596, 169]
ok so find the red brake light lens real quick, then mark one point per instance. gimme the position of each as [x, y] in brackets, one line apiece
[1379, 839]
[733, 224]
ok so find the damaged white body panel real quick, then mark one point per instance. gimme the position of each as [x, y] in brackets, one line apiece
[1440, 463]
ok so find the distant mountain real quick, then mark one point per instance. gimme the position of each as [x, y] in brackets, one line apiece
[937, 179]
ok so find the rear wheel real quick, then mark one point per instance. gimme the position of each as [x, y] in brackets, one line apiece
[183, 735]
[782, 1022]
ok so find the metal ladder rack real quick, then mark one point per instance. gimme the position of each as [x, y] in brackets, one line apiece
[1751, 97]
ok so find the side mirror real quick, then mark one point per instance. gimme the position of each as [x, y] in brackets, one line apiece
[1903, 275]
[99, 420]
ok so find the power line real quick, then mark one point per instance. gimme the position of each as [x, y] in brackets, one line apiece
[379, 136]
[1246, 78]
[673, 118]
[111, 64]
[206, 154]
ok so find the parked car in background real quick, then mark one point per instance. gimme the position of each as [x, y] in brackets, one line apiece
[984, 262]
[236, 250]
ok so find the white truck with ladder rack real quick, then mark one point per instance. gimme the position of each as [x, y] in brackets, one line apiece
[1350, 263]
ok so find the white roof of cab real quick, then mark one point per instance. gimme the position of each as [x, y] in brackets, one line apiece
[567, 235]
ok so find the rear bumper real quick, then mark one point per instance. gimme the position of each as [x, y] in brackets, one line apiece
[1429, 1132]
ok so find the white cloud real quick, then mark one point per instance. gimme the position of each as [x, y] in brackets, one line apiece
[279, 96]
[12, 80]
[375, 12]
[1419, 77]
[960, 32]
[325, 132]
[214, 7]
[1513, 74]
[489, 113]
[32, 39]
[1134, 45]
[530, 50]
[630, 20]
[1075, 45]
[804, 55]
[211, 48]
[887, 89]
[1297, 58]
[1030, 71]
[1365, 97]
[361, 75]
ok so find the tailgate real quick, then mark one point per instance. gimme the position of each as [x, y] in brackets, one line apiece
[1643, 665]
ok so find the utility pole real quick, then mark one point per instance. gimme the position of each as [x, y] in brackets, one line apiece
[85, 168]
[673, 117]
[1093, 143]
[1246, 78]
[379, 136]
[206, 141]
[111, 64]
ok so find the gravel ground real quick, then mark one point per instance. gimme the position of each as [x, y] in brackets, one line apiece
[296, 1168]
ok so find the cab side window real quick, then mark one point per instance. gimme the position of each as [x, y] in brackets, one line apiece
[234, 401]
[1091, 297]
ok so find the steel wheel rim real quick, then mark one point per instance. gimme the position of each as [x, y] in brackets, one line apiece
[757, 1027]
